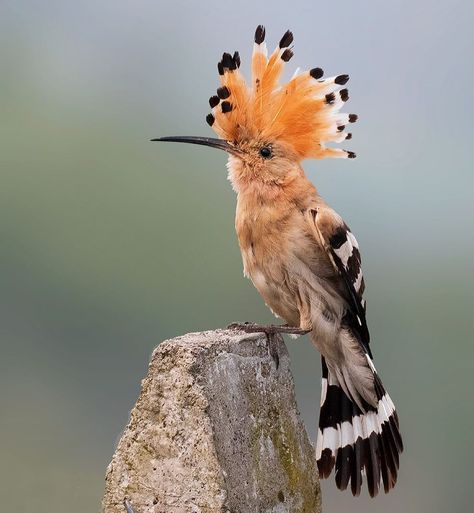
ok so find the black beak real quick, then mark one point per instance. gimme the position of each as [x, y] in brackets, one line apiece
[220, 144]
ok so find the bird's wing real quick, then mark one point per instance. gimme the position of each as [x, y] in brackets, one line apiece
[343, 251]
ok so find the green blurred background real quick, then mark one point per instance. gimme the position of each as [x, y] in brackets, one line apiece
[110, 243]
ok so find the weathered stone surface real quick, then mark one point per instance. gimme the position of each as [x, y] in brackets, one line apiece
[215, 430]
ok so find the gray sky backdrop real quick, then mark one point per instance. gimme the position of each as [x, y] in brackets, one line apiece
[109, 243]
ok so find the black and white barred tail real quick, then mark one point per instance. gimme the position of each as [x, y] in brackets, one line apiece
[357, 442]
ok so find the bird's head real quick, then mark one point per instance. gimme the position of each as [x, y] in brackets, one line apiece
[267, 128]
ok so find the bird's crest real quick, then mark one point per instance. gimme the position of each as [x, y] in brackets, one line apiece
[303, 113]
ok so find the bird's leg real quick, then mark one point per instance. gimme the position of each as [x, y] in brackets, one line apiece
[272, 332]
[128, 506]
[268, 329]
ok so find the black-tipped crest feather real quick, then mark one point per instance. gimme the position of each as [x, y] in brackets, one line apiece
[316, 73]
[260, 35]
[286, 40]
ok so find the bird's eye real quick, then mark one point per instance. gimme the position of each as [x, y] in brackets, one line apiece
[266, 152]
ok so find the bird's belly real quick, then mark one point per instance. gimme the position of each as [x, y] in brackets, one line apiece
[284, 262]
[272, 281]
[293, 277]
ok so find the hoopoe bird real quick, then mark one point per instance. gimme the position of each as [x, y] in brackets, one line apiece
[299, 253]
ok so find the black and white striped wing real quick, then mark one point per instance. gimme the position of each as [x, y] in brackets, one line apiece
[343, 250]
[345, 254]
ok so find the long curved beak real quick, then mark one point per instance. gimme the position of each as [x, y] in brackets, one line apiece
[220, 144]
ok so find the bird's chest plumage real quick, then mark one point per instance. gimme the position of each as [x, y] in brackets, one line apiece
[261, 232]
[265, 233]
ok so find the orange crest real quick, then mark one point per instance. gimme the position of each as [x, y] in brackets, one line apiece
[303, 113]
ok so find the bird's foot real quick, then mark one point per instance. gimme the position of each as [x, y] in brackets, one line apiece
[268, 329]
[272, 332]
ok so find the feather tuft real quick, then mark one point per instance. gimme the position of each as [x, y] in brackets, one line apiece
[316, 73]
[287, 55]
[286, 40]
[226, 107]
[302, 113]
[223, 92]
[260, 34]
[213, 101]
[341, 79]
[344, 94]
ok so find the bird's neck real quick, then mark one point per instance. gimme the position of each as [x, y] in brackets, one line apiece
[265, 208]
[259, 189]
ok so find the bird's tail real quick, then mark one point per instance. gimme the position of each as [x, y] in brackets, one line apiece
[357, 442]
